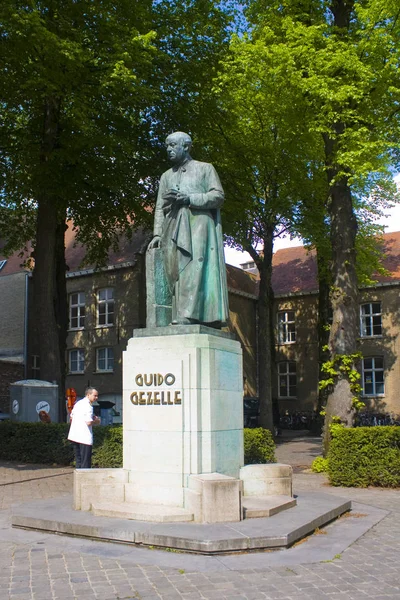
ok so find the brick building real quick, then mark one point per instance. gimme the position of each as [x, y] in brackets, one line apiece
[296, 303]
[13, 328]
[105, 305]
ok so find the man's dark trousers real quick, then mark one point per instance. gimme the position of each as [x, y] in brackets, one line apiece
[83, 455]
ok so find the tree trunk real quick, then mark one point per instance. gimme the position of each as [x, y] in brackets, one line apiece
[49, 286]
[344, 298]
[61, 312]
[344, 294]
[266, 333]
[324, 314]
[47, 301]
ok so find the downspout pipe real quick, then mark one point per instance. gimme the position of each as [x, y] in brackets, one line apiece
[26, 313]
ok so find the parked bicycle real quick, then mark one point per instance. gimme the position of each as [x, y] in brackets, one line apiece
[370, 419]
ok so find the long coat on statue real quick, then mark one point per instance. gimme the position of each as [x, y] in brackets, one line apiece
[191, 242]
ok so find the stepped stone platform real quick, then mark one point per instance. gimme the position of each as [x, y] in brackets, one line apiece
[312, 511]
[252, 506]
[255, 507]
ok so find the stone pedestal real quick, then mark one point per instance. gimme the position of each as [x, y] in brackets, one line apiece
[183, 410]
[183, 436]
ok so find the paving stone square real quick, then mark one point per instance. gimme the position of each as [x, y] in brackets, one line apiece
[41, 566]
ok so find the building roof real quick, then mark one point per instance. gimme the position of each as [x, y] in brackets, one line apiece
[295, 269]
[75, 254]
[238, 280]
[242, 282]
[13, 264]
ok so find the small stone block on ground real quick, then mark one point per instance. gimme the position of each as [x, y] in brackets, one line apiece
[214, 498]
[272, 479]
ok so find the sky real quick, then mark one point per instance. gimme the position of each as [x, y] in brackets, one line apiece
[391, 222]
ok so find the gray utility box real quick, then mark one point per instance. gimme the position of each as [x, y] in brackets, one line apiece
[29, 396]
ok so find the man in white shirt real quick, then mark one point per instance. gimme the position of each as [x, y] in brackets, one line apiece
[80, 432]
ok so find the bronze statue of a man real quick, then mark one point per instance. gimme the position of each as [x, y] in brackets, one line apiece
[187, 226]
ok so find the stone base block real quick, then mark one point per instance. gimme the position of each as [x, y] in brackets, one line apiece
[213, 498]
[91, 484]
[255, 507]
[273, 479]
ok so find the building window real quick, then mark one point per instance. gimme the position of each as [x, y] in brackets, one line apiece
[2, 264]
[35, 366]
[249, 265]
[286, 327]
[371, 319]
[287, 379]
[77, 361]
[105, 307]
[105, 359]
[373, 376]
[77, 310]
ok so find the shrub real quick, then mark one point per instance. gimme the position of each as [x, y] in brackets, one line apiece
[41, 443]
[107, 447]
[320, 465]
[365, 456]
[47, 443]
[259, 447]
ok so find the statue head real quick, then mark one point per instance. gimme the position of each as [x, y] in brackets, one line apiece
[178, 146]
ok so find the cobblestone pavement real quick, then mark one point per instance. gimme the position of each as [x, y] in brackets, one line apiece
[37, 566]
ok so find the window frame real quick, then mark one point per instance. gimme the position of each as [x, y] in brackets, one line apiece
[373, 370]
[287, 374]
[35, 368]
[79, 360]
[364, 317]
[106, 302]
[106, 359]
[79, 305]
[285, 332]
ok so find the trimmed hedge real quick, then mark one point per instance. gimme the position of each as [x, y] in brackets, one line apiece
[46, 443]
[259, 446]
[41, 443]
[364, 456]
[108, 453]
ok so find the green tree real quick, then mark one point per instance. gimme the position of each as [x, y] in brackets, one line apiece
[343, 58]
[266, 158]
[74, 88]
[80, 84]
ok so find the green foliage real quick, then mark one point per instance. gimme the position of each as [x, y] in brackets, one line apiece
[47, 443]
[81, 72]
[364, 456]
[107, 447]
[339, 61]
[259, 446]
[343, 365]
[320, 465]
[41, 443]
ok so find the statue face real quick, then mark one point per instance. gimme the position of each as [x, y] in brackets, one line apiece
[177, 149]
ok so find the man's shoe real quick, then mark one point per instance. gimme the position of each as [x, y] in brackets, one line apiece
[182, 321]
